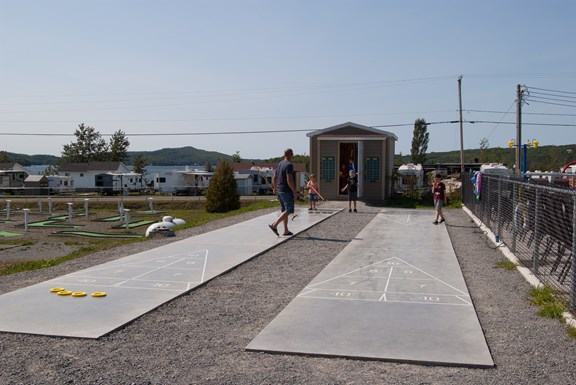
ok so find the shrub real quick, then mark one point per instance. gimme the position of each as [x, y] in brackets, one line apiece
[222, 195]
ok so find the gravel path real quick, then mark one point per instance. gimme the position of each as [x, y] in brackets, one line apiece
[200, 338]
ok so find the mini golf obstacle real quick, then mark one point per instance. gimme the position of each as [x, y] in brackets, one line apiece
[139, 283]
[395, 293]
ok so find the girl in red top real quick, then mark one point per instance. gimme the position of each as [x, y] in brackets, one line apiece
[439, 192]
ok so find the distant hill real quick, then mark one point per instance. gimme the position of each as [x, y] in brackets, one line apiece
[165, 157]
[545, 158]
[180, 156]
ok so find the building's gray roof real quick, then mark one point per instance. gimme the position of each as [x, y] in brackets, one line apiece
[368, 129]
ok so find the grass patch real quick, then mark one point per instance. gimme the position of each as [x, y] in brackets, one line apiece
[506, 264]
[545, 298]
[571, 331]
[194, 215]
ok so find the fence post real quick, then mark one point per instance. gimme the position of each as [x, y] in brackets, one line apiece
[514, 215]
[499, 216]
[536, 245]
[573, 254]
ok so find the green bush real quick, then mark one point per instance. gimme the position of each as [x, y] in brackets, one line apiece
[222, 195]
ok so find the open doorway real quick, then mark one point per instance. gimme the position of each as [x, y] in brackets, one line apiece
[347, 160]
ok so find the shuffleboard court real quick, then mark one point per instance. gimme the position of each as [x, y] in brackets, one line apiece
[138, 283]
[395, 293]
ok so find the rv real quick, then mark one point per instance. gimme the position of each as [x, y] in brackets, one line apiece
[59, 184]
[12, 181]
[410, 177]
[261, 180]
[495, 169]
[118, 183]
[186, 182]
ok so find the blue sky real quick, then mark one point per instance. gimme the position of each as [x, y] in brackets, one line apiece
[217, 74]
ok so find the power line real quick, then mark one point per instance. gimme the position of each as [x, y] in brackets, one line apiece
[523, 113]
[283, 131]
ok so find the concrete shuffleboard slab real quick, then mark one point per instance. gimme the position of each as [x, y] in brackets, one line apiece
[395, 293]
[139, 283]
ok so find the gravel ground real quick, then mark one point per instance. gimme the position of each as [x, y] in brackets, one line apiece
[200, 338]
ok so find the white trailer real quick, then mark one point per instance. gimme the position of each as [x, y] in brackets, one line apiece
[182, 182]
[410, 177]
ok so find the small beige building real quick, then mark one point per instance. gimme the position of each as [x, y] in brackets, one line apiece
[334, 150]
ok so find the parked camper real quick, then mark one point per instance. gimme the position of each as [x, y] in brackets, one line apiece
[12, 181]
[186, 182]
[262, 180]
[495, 169]
[59, 184]
[410, 177]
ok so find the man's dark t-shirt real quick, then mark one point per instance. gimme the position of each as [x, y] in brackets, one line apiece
[284, 169]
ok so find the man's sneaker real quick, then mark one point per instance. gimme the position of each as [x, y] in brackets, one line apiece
[441, 220]
[435, 222]
[355, 211]
[349, 210]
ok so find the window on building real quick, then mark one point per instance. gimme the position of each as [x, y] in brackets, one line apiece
[372, 168]
[328, 168]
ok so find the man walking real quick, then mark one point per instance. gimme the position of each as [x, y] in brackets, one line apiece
[285, 189]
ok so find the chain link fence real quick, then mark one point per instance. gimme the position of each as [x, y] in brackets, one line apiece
[535, 221]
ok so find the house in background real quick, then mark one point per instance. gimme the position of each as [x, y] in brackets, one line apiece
[334, 150]
[102, 177]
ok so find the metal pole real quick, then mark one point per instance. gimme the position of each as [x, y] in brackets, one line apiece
[461, 127]
[573, 257]
[524, 163]
[518, 126]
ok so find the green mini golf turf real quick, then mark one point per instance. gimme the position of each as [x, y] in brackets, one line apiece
[50, 223]
[9, 234]
[134, 224]
[95, 235]
[109, 219]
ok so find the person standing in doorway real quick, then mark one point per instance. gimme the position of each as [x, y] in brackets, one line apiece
[285, 189]
[352, 186]
[439, 192]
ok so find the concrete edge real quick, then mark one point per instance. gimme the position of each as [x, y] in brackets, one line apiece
[532, 279]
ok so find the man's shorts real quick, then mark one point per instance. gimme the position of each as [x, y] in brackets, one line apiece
[286, 201]
[352, 195]
[438, 204]
[313, 197]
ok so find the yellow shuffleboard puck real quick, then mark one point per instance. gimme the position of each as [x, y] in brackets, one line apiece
[99, 294]
[56, 289]
[64, 292]
[79, 294]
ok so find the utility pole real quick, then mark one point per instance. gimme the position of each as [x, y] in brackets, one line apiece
[518, 127]
[461, 128]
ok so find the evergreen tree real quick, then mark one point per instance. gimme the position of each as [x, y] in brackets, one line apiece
[50, 170]
[419, 142]
[4, 158]
[222, 195]
[139, 163]
[119, 147]
[89, 146]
